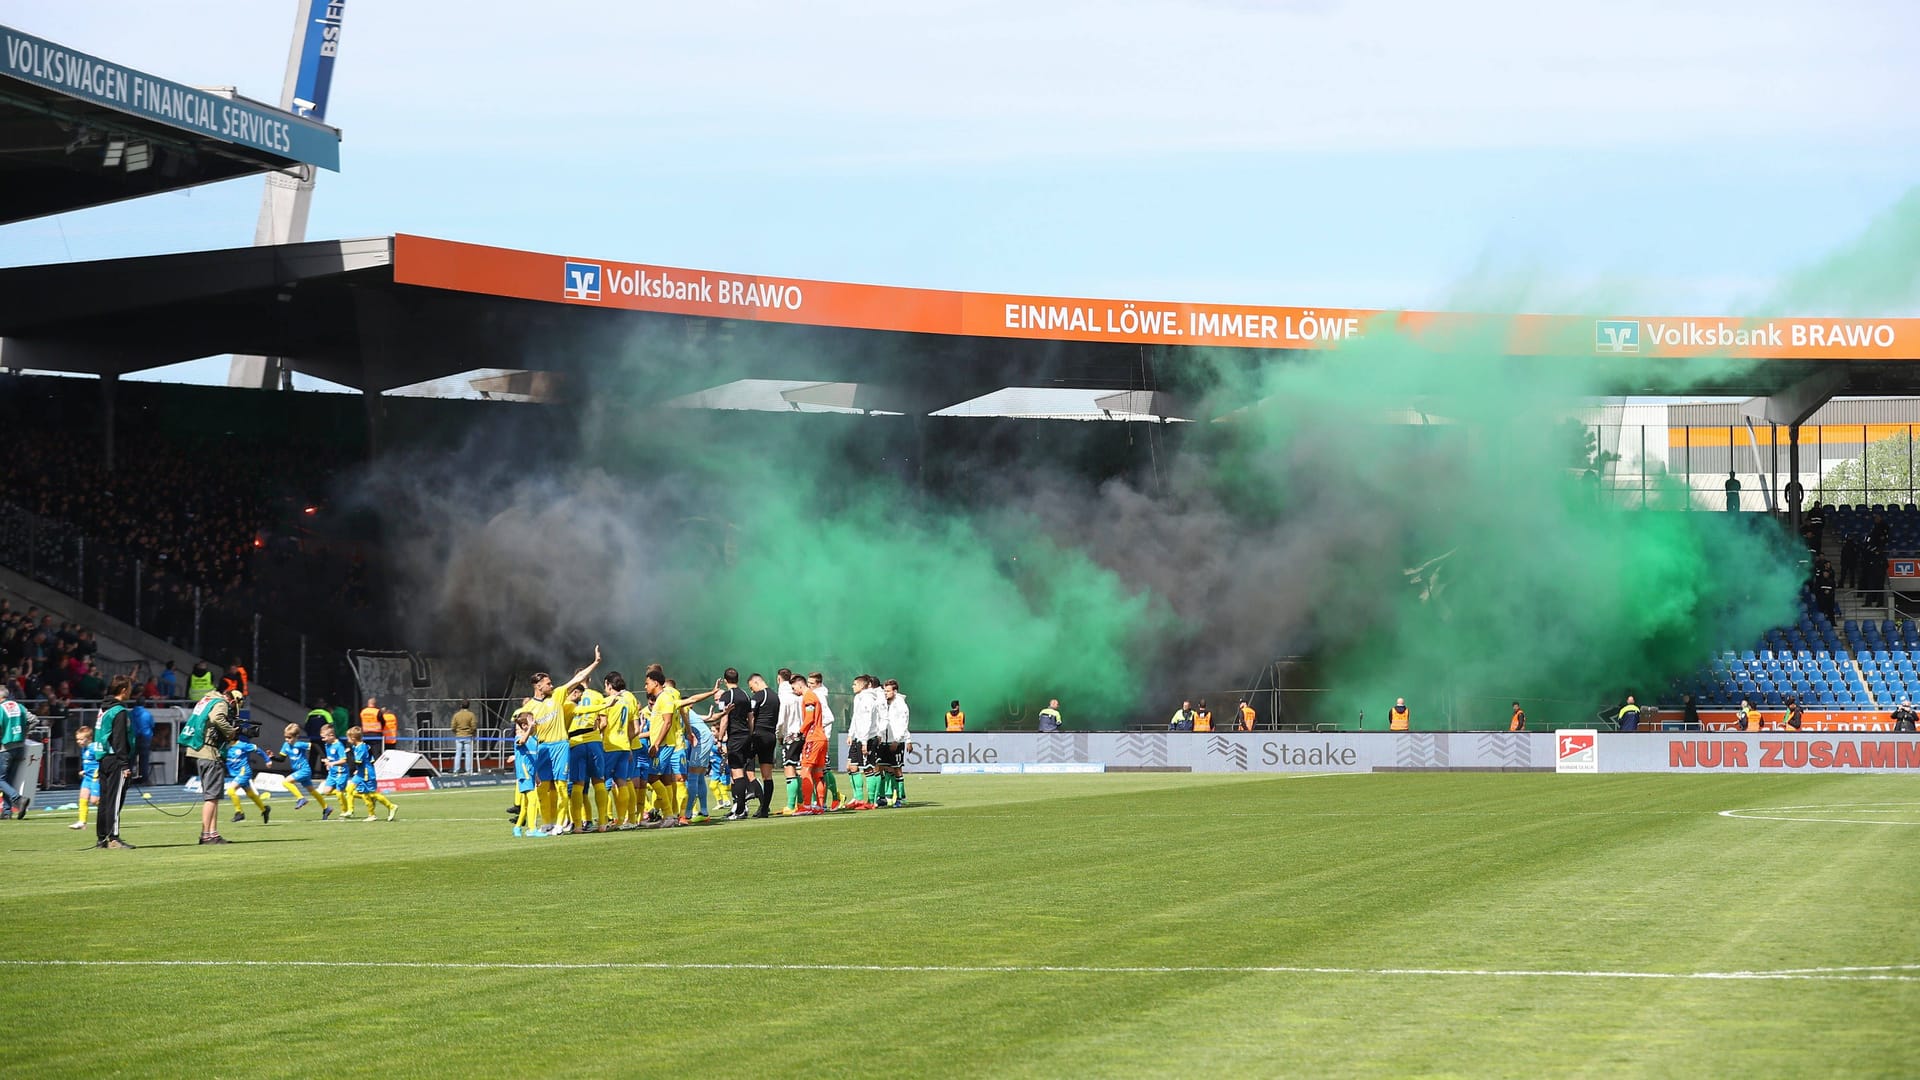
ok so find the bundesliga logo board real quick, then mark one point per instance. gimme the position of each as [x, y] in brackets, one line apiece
[1576, 752]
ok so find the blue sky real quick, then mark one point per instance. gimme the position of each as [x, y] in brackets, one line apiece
[1677, 157]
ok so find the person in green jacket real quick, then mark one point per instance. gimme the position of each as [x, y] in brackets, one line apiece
[114, 733]
[14, 719]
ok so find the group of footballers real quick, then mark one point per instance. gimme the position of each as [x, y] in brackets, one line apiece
[606, 760]
[349, 772]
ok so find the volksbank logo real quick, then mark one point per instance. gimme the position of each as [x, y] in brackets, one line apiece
[581, 281]
[1616, 336]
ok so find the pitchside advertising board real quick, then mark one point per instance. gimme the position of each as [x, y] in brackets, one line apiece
[1358, 752]
[603, 283]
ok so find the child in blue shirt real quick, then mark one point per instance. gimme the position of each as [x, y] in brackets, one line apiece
[240, 779]
[90, 755]
[299, 754]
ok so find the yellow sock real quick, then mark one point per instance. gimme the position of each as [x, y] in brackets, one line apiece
[547, 812]
[680, 798]
[234, 793]
[346, 802]
[602, 804]
[662, 801]
[577, 798]
[83, 808]
[644, 793]
[526, 799]
[630, 798]
[376, 797]
[259, 798]
[295, 789]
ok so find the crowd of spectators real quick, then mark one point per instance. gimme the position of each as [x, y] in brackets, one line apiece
[190, 537]
[48, 662]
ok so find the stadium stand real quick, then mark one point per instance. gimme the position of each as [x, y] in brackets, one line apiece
[1853, 663]
[196, 535]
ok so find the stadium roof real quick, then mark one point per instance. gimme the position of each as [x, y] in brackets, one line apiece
[388, 312]
[77, 131]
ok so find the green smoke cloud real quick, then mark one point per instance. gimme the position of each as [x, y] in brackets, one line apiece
[1414, 513]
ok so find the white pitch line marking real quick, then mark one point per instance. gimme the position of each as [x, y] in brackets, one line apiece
[1778, 813]
[1883, 973]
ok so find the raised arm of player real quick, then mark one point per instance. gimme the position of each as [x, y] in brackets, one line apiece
[578, 676]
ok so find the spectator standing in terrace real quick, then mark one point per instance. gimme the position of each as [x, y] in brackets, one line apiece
[465, 728]
[236, 678]
[142, 740]
[1182, 718]
[956, 720]
[1850, 562]
[1050, 716]
[1817, 521]
[1203, 717]
[1519, 720]
[199, 681]
[1824, 584]
[1398, 718]
[1246, 715]
[1690, 715]
[168, 683]
[1733, 494]
[1903, 717]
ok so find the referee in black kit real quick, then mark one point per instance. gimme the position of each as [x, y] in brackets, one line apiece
[734, 712]
[114, 732]
[765, 705]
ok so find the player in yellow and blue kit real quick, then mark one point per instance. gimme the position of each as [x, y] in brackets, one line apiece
[90, 755]
[701, 756]
[240, 779]
[360, 777]
[548, 706]
[667, 733]
[587, 758]
[299, 755]
[336, 755]
[525, 749]
[621, 724]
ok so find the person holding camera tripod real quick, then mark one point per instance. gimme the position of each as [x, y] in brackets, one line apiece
[205, 736]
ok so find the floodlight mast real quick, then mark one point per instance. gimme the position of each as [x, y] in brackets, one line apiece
[289, 194]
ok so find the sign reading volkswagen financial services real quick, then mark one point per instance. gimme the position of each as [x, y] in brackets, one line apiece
[234, 120]
[1576, 751]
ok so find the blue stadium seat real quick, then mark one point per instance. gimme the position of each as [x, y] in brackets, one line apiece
[1882, 656]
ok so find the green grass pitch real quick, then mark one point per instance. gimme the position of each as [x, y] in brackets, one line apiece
[1466, 925]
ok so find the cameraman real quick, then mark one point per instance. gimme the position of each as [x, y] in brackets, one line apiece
[205, 736]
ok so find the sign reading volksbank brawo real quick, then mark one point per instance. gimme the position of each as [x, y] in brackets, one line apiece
[1616, 752]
